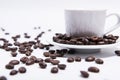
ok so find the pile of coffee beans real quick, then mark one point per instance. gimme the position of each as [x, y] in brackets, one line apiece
[93, 40]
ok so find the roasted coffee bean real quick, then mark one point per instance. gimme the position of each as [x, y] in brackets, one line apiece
[33, 58]
[9, 66]
[14, 54]
[28, 53]
[99, 61]
[14, 62]
[52, 51]
[24, 59]
[70, 59]
[77, 59]
[30, 62]
[117, 52]
[3, 78]
[53, 56]
[13, 72]
[48, 60]
[46, 54]
[42, 65]
[39, 60]
[90, 58]
[61, 66]
[54, 70]
[93, 69]
[22, 70]
[55, 62]
[84, 74]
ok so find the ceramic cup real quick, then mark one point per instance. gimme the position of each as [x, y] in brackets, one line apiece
[88, 22]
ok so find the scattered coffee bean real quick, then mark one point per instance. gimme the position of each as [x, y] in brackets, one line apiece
[9, 66]
[13, 72]
[24, 59]
[53, 56]
[99, 61]
[77, 59]
[22, 70]
[14, 62]
[48, 60]
[39, 60]
[42, 65]
[70, 59]
[54, 70]
[14, 54]
[3, 78]
[46, 54]
[117, 52]
[61, 66]
[55, 62]
[90, 58]
[30, 62]
[52, 51]
[33, 58]
[93, 69]
[84, 74]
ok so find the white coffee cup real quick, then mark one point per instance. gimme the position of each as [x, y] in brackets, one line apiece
[88, 22]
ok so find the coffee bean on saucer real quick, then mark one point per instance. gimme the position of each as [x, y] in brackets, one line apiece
[99, 61]
[117, 52]
[46, 54]
[61, 66]
[70, 59]
[77, 59]
[3, 78]
[55, 62]
[54, 70]
[14, 62]
[93, 69]
[42, 65]
[9, 66]
[22, 70]
[13, 72]
[90, 58]
[84, 74]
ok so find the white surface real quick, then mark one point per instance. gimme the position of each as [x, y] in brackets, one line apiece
[19, 16]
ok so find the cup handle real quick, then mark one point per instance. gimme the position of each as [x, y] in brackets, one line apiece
[117, 25]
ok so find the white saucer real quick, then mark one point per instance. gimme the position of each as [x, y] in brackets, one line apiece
[50, 40]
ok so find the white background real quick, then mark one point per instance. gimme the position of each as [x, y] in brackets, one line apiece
[19, 16]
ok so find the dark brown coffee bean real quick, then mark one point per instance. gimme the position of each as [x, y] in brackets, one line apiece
[28, 53]
[93, 69]
[52, 51]
[90, 58]
[61, 66]
[13, 72]
[14, 54]
[84, 74]
[22, 70]
[99, 61]
[53, 56]
[48, 60]
[30, 62]
[70, 59]
[33, 58]
[39, 60]
[117, 52]
[24, 59]
[55, 62]
[54, 70]
[77, 59]
[9, 66]
[3, 78]
[46, 54]
[14, 62]
[42, 65]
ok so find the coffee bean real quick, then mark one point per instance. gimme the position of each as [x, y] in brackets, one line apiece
[55, 62]
[9, 66]
[42, 65]
[52, 51]
[46, 54]
[3, 78]
[54, 70]
[14, 62]
[99, 61]
[33, 58]
[24, 59]
[70, 59]
[77, 59]
[13, 72]
[22, 70]
[93, 69]
[48, 60]
[117, 52]
[84, 74]
[53, 56]
[14, 54]
[90, 58]
[39, 60]
[61, 66]
[30, 62]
